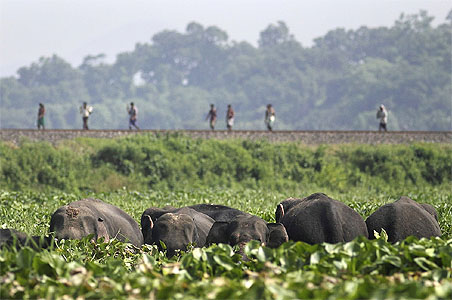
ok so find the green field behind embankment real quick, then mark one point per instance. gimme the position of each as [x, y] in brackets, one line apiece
[178, 162]
[135, 173]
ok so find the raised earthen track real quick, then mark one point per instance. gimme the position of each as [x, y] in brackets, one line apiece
[15, 136]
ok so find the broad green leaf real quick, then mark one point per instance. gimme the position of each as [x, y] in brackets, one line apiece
[425, 264]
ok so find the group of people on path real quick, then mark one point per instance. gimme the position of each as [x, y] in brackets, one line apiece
[212, 117]
[270, 116]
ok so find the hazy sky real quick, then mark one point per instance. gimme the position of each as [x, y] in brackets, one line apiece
[73, 29]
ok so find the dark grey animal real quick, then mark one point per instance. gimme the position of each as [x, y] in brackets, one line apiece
[92, 216]
[218, 212]
[175, 227]
[244, 228]
[318, 218]
[13, 237]
[403, 218]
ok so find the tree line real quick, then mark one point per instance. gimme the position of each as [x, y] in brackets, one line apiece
[337, 83]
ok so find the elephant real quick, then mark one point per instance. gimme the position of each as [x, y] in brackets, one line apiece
[404, 218]
[12, 237]
[244, 228]
[318, 218]
[93, 216]
[176, 228]
[218, 212]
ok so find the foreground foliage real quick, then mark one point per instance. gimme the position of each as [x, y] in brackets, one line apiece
[355, 270]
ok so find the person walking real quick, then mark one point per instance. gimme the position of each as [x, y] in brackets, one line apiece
[41, 113]
[270, 117]
[230, 117]
[133, 114]
[382, 114]
[85, 111]
[212, 114]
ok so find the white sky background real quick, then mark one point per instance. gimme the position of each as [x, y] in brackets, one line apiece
[73, 29]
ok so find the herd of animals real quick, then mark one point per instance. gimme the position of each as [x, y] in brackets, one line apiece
[314, 219]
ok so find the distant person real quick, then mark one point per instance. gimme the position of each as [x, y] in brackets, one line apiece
[41, 113]
[86, 110]
[212, 114]
[230, 117]
[270, 117]
[133, 114]
[382, 114]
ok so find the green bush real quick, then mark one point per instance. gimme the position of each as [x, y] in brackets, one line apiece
[176, 161]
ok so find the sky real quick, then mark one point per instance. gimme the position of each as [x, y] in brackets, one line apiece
[73, 29]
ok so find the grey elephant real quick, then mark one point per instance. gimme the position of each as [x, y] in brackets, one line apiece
[93, 216]
[244, 226]
[175, 227]
[404, 218]
[218, 212]
[11, 237]
[242, 229]
[318, 218]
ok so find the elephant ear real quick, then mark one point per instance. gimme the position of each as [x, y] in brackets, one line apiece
[218, 233]
[277, 235]
[146, 228]
[146, 222]
[431, 210]
[279, 213]
[102, 230]
[195, 237]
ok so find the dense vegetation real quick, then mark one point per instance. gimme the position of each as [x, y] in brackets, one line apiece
[175, 162]
[337, 83]
[360, 269]
[138, 172]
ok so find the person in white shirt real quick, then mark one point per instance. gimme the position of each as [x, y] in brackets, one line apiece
[382, 114]
[270, 117]
[85, 111]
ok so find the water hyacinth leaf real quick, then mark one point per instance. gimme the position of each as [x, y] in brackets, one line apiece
[444, 291]
[430, 252]
[42, 267]
[315, 258]
[162, 244]
[252, 248]
[382, 235]
[425, 264]
[331, 248]
[224, 261]
[393, 260]
[198, 254]
[264, 254]
[25, 258]
[227, 249]
[352, 248]
[340, 264]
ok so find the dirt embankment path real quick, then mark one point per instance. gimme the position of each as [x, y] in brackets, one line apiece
[16, 136]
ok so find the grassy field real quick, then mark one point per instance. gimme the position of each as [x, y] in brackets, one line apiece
[355, 270]
[135, 173]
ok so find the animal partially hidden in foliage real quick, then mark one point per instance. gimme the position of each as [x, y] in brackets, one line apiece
[235, 227]
[318, 218]
[404, 218]
[244, 228]
[14, 238]
[93, 216]
[175, 227]
[218, 212]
